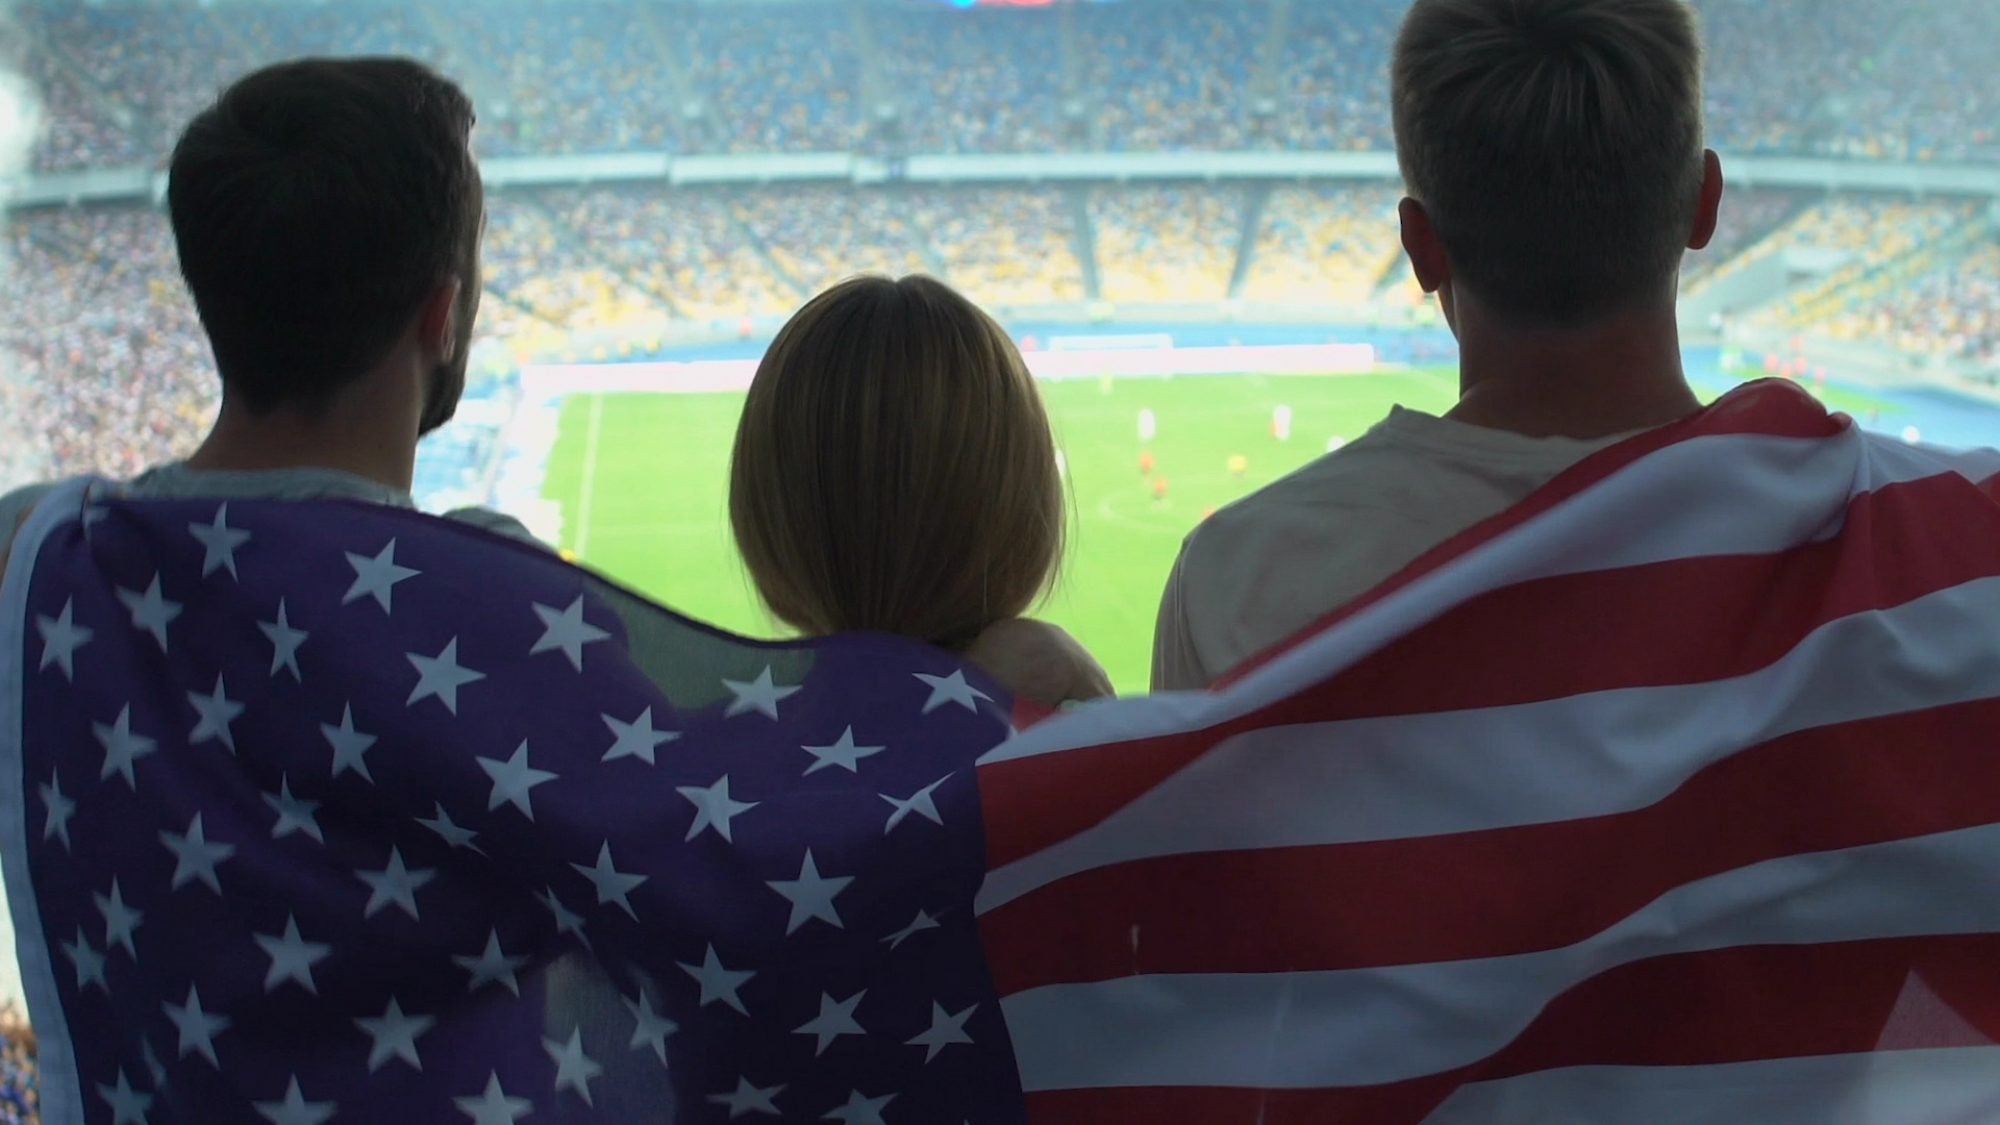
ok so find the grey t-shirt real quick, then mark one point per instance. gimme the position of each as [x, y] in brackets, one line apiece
[176, 481]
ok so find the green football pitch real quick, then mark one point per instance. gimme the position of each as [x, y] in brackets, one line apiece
[643, 484]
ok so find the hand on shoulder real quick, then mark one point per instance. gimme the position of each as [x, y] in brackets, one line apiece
[1039, 662]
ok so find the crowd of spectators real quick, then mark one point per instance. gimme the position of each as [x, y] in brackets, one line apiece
[1167, 244]
[1952, 311]
[107, 360]
[1332, 243]
[20, 1083]
[1849, 77]
[110, 361]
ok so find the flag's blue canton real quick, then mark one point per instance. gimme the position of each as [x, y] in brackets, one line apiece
[346, 814]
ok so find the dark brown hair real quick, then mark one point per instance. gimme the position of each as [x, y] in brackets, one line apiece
[315, 206]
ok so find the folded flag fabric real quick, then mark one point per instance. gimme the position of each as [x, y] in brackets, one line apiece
[321, 811]
[1672, 795]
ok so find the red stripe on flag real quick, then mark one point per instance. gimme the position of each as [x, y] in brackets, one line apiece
[1767, 408]
[1505, 891]
[1715, 1007]
[1639, 623]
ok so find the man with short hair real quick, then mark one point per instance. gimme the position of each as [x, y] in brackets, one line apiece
[327, 214]
[1553, 154]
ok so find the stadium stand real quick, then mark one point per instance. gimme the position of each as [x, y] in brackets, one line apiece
[598, 75]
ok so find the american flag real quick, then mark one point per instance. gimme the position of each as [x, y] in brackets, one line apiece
[321, 811]
[1672, 795]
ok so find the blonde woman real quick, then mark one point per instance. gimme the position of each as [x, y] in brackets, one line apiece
[894, 472]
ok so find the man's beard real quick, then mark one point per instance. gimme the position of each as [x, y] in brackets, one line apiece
[447, 383]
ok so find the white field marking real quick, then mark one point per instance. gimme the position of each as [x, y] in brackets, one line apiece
[587, 490]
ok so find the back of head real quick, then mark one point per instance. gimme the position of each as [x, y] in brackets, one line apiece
[1556, 146]
[894, 469]
[315, 206]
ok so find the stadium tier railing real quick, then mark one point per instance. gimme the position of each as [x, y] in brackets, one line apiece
[110, 184]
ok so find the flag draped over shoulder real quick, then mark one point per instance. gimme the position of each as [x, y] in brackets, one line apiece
[1671, 795]
[320, 811]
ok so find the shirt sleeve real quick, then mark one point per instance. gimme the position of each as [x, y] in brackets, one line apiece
[1176, 664]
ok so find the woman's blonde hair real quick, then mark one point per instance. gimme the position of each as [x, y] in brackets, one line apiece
[894, 469]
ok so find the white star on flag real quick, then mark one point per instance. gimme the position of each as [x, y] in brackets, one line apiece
[394, 1035]
[567, 631]
[285, 642]
[650, 1029]
[811, 895]
[294, 1109]
[60, 809]
[513, 781]
[441, 676]
[636, 739]
[88, 961]
[194, 856]
[759, 695]
[394, 883]
[714, 808]
[923, 921]
[348, 745]
[61, 637]
[294, 814]
[219, 542]
[749, 1099]
[574, 1068]
[835, 1019]
[492, 966]
[215, 713]
[197, 1028]
[450, 831]
[920, 803]
[119, 919]
[122, 747]
[951, 689]
[717, 983]
[843, 753]
[150, 611]
[946, 1029]
[860, 1110]
[128, 1106]
[567, 921]
[292, 957]
[376, 577]
[612, 885]
[493, 1107]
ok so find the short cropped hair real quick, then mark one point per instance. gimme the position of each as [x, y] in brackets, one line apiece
[315, 205]
[1556, 146]
[894, 469]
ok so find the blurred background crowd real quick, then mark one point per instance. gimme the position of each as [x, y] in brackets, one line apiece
[1848, 77]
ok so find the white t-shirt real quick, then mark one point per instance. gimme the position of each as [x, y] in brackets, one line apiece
[1258, 571]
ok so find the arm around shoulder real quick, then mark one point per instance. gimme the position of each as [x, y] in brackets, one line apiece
[1039, 662]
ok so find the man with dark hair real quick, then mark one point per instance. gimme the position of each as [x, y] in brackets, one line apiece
[327, 215]
[1553, 154]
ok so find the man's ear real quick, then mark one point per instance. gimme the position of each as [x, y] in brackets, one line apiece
[1420, 242]
[437, 321]
[1710, 207]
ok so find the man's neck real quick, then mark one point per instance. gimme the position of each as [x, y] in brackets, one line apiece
[1620, 375]
[280, 440]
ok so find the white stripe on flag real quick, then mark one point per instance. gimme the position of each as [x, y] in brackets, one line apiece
[1592, 755]
[1782, 490]
[1948, 1086]
[1314, 1030]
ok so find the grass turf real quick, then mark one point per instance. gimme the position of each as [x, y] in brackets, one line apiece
[643, 482]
